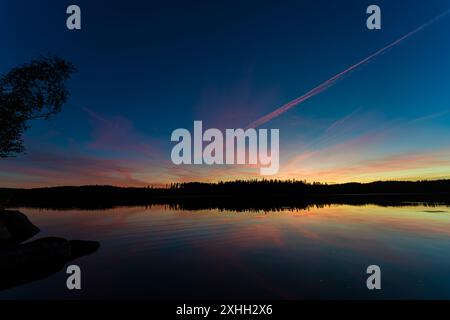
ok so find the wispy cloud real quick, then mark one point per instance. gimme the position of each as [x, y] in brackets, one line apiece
[54, 168]
[395, 166]
[333, 80]
[117, 134]
[431, 116]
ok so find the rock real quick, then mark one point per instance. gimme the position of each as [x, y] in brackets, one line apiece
[39, 259]
[23, 263]
[34, 253]
[5, 236]
[81, 248]
[15, 227]
[45, 250]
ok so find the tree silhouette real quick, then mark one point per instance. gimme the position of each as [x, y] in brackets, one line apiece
[239, 195]
[36, 90]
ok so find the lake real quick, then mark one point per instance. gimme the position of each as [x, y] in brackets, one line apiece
[321, 252]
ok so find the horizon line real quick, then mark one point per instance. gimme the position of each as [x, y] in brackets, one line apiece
[168, 185]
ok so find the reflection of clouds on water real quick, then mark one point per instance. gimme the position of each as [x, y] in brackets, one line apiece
[320, 252]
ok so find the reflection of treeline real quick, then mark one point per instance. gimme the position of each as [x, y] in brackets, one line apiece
[275, 204]
[235, 195]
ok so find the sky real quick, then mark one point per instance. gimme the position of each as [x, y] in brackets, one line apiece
[146, 68]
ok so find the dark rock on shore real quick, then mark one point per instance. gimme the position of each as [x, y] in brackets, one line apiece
[5, 236]
[38, 259]
[15, 227]
[30, 254]
[44, 251]
[79, 248]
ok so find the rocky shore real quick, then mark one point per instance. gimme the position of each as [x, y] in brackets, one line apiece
[22, 262]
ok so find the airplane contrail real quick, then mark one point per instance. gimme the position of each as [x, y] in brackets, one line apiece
[330, 82]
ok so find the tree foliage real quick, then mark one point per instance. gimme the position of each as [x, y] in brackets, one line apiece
[36, 90]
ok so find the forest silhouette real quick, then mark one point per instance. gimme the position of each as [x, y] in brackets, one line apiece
[239, 195]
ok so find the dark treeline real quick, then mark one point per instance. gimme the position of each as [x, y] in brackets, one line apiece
[236, 195]
[294, 187]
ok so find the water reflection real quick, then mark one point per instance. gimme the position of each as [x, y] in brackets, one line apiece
[319, 252]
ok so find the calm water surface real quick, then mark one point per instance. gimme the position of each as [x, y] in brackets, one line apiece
[317, 253]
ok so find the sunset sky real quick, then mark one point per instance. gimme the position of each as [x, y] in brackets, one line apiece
[148, 68]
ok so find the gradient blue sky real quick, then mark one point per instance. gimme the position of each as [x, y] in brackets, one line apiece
[146, 68]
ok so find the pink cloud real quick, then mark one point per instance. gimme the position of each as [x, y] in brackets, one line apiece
[232, 107]
[52, 169]
[117, 134]
[398, 166]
